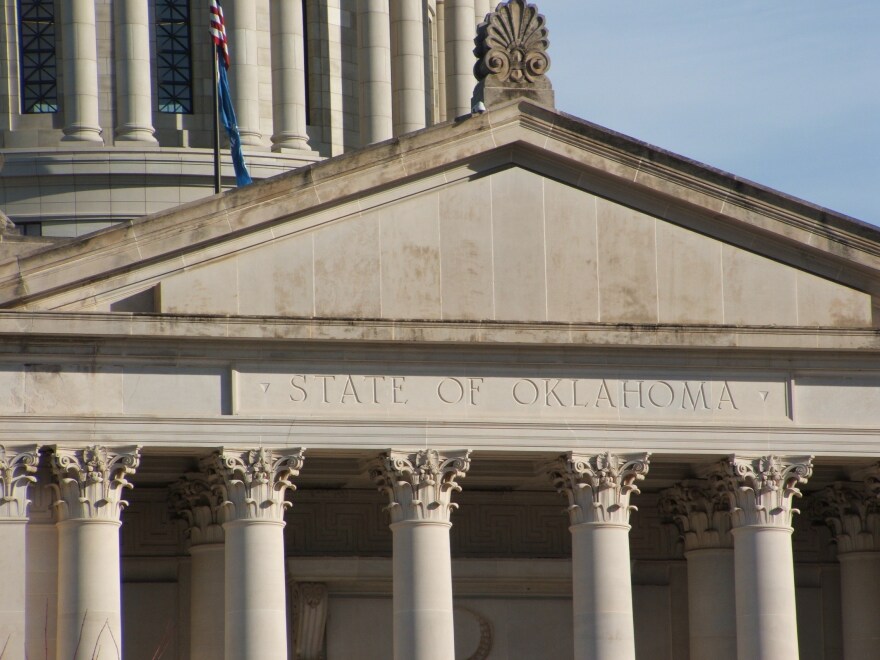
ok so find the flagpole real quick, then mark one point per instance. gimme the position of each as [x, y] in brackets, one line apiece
[218, 181]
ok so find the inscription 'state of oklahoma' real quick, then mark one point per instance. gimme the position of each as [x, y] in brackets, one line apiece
[474, 396]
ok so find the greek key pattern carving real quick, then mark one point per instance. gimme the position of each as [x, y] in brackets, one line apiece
[148, 527]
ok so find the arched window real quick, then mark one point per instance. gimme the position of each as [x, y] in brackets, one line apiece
[174, 56]
[36, 41]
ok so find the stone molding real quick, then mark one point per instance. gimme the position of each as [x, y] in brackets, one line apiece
[310, 604]
[511, 48]
[252, 483]
[419, 485]
[761, 489]
[851, 510]
[17, 469]
[701, 513]
[90, 481]
[599, 486]
[197, 502]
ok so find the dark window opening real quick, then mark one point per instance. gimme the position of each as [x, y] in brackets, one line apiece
[174, 57]
[36, 38]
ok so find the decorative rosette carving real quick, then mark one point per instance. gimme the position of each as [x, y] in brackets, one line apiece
[252, 483]
[761, 489]
[599, 486]
[91, 480]
[852, 512]
[420, 485]
[701, 513]
[197, 501]
[17, 470]
[512, 44]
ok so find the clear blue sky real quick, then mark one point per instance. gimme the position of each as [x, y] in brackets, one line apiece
[783, 92]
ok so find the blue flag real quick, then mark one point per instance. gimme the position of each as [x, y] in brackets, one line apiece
[227, 118]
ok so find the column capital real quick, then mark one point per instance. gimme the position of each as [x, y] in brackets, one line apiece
[761, 489]
[252, 483]
[90, 481]
[420, 484]
[195, 500]
[701, 513]
[598, 486]
[852, 512]
[17, 469]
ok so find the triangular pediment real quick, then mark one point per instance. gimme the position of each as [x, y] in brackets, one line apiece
[517, 234]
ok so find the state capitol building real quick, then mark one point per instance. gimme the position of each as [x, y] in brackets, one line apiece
[458, 377]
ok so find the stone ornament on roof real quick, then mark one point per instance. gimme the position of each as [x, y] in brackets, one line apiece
[511, 48]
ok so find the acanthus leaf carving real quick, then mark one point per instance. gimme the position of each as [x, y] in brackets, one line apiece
[419, 485]
[17, 469]
[599, 486]
[761, 489]
[701, 513]
[253, 483]
[851, 510]
[91, 480]
[197, 501]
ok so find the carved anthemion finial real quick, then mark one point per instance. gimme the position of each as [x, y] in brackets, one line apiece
[511, 49]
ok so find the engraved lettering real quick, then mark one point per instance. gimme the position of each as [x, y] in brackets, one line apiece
[688, 396]
[349, 390]
[605, 395]
[453, 392]
[325, 379]
[299, 388]
[661, 394]
[375, 380]
[727, 397]
[628, 390]
[397, 383]
[475, 389]
[526, 385]
[550, 391]
[574, 394]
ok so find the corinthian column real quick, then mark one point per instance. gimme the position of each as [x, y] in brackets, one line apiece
[134, 103]
[852, 511]
[408, 66]
[90, 485]
[42, 567]
[253, 484]
[241, 20]
[80, 66]
[419, 487]
[761, 491]
[598, 488]
[460, 60]
[17, 469]
[703, 517]
[288, 76]
[375, 71]
[194, 500]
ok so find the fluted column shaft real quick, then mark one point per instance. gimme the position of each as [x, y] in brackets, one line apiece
[244, 73]
[598, 488]
[377, 122]
[408, 66]
[253, 484]
[134, 102]
[460, 33]
[80, 67]
[761, 492]
[420, 486]
[288, 76]
[90, 483]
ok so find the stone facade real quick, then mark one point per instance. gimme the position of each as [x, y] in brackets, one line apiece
[514, 386]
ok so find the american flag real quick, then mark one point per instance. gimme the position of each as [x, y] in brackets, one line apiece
[218, 30]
